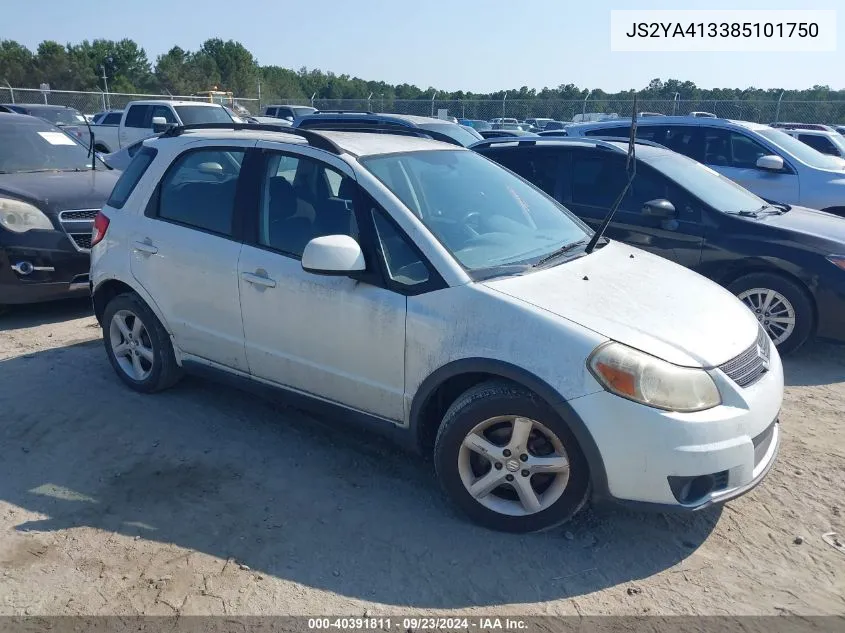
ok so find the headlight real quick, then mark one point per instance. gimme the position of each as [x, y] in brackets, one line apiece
[837, 260]
[651, 381]
[20, 217]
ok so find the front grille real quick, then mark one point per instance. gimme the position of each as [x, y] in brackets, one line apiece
[749, 367]
[84, 214]
[762, 443]
[78, 224]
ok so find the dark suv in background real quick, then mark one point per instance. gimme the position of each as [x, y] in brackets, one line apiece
[51, 189]
[787, 264]
[437, 129]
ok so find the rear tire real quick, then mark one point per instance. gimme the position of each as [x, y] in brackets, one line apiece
[789, 305]
[138, 346]
[508, 461]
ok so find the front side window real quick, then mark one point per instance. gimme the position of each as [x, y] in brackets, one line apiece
[199, 189]
[302, 198]
[164, 112]
[404, 266]
[112, 118]
[483, 215]
[715, 190]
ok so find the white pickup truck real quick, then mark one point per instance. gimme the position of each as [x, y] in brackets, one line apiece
[141, 118]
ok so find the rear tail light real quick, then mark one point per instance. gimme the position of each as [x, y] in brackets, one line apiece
[101, 225]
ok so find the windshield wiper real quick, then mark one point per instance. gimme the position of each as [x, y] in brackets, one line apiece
[561, 251]
[783, 208]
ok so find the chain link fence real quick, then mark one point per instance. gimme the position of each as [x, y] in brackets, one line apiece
[486, 109]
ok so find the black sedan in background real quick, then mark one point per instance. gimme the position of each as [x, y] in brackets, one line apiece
[50, 191]
[786, 263]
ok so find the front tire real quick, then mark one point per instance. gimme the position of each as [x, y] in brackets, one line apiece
[138, 346]
[508, 461]
[782, 307]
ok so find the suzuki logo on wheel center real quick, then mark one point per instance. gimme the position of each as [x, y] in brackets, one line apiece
[512, 465]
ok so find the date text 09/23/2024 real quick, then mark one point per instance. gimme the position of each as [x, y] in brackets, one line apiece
[423, 623]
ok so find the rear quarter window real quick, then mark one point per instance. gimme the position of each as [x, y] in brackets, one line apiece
[131, 177]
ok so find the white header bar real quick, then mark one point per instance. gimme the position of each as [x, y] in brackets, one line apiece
[723, 30]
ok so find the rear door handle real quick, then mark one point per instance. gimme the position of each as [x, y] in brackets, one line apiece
[259, 280]
[145, 247]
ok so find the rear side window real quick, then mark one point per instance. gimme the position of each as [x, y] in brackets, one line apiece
[131, 177]
[136, 117]
[620, 131]
[199, 189]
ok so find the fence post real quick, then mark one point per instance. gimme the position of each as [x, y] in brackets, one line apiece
[584, 105]
[432, 103]
[312, 99]
[369, 103]
[504, 99]
[777, 108]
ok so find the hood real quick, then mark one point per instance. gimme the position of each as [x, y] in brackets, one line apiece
[57, 191]
[818, 224]
[645, 302]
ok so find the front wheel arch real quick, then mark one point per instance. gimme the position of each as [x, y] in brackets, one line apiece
[429, 406]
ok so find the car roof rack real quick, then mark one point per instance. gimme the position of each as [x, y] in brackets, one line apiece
[379, 127]
[600, 141]
[314, 139]
[319, 112]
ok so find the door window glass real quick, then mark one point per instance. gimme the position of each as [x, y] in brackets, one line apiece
[199, 189]
[301, 199]
[136, 117]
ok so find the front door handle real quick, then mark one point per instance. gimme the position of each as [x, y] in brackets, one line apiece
[259, 280]
[145, 247]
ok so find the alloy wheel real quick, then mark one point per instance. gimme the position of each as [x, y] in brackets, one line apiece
[774, 312]
[131, 345]
[513, 465]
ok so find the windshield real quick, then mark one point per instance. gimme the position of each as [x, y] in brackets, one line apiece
[464, 137]
[801, 151]
[202, 114]
[39, 146]
[484, 215]
[704, 183]
[64, 116]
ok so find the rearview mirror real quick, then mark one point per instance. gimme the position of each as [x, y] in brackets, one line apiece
[333, 255]
[773, 162]
[160, 124]
[659, 208]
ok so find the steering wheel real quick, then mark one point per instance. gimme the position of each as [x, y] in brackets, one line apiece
[472, 223]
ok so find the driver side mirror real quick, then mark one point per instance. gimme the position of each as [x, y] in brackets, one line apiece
[333, 255]
[773, 162]
[160, 124]
[660, 208]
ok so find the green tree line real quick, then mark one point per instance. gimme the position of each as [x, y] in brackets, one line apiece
[230, 66]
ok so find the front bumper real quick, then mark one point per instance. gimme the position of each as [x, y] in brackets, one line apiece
[63, 274]
[657, 458]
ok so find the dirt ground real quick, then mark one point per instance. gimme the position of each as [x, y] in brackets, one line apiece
[207, 500]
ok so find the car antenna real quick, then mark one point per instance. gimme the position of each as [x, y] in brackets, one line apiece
[91, 152]
[631, 170]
